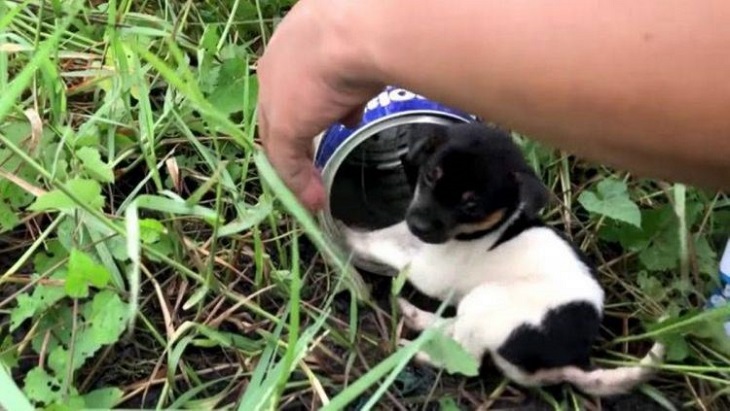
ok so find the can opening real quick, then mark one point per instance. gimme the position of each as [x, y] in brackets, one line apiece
[373, 186]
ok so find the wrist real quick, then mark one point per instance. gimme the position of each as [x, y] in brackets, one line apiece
[358, 57]
[405, 43]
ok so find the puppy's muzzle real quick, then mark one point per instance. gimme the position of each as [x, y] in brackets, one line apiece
[428, 230]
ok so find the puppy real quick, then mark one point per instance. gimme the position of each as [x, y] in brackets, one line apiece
[524, 295]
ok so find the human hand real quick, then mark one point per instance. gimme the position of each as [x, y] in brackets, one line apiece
[313, 73]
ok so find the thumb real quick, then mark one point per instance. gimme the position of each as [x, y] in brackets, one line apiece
[292, 160]
[313, 193]
[301, 177]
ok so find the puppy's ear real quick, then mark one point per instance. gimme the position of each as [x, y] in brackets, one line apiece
[534, 196]
[423, 143]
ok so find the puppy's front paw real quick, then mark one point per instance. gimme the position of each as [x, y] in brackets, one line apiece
[402, 342]
[410, 314]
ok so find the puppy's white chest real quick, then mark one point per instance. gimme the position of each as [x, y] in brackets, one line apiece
[537, 257]
[456, 266]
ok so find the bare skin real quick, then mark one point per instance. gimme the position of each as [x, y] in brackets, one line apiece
[641, 86]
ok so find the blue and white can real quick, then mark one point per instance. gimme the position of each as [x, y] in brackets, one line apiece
[721, 296]
[362, 167]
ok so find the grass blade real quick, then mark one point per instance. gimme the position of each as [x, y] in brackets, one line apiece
[131, 219]
[12, 398]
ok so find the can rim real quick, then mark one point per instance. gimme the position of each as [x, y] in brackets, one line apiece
[330, 168]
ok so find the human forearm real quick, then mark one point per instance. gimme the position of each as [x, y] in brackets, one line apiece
[642, 85]
[638, 85]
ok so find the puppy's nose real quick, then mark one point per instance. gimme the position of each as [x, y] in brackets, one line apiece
[422, 226]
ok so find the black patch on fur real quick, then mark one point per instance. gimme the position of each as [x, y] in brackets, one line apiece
[475, 235]
[564, 338]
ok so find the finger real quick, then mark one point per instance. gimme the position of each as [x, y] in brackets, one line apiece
[294, 165]
[313, 196]
[305, 181]
[262, 125]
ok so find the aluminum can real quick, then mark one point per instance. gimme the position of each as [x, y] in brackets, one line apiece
[367, 182]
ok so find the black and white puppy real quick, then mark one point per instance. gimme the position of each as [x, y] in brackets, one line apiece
[523, 294]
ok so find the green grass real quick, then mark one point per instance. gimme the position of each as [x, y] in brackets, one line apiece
[150, 257]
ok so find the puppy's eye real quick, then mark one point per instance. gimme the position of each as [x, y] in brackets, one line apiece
[433, 175]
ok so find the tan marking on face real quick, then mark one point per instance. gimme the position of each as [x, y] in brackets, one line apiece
[489, 222]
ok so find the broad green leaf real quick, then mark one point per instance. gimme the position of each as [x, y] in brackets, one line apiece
[103, 398]
[694, 211]
[662, 254]
[630, 237]
[446, 351]
[653, 222]
[677, 347]
[713, 331]
[118, 247]
[8, 356]
[448, 404]
[68, 233]
[88, 136]
[150, 230]
[61, 170]
[73, 403]
[15, 130]
[93, 164]
[165, 246]
[42, 297]
[123, 142]
[611, 199]
[8, 218]
[107, 318]
[88, 191]
[51, 154]
[14, 195]
[209, 40]
[651, 286]
[58, 358]
[82, 272]
[230, 91]
[707, 259]
[84, 346]
[41, 387]
[59, 320]
[26, 308]
[44, 261]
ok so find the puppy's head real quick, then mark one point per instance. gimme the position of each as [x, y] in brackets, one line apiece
[471, 178]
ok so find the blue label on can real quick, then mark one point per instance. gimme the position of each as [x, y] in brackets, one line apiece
[390, 101]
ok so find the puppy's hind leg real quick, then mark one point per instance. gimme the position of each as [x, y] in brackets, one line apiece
[485, 318]
[394, 246]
